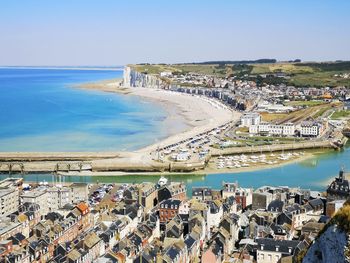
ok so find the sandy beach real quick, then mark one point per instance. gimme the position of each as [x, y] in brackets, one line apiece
[110, 85]
[199, 114]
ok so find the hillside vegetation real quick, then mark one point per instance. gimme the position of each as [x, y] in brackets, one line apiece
[297, 74]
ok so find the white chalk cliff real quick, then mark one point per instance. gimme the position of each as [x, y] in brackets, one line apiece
[133, 78]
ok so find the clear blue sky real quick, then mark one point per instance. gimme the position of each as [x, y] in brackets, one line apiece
[111, 32]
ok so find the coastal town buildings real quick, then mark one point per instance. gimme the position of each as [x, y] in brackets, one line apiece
[339, 189]
[9, 201]
[124, 223]
[266, 128]
[249, 119]
[311, 129]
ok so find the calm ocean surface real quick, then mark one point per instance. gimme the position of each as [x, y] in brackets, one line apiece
[41, 111]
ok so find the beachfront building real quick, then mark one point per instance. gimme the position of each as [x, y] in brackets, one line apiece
[249, 119]
[311, 129]
[266, 128]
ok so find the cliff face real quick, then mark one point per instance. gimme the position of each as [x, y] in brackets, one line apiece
[333, 244]
[133, 78]
[329, 247]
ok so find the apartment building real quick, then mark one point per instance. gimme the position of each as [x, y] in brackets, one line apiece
[9, 201]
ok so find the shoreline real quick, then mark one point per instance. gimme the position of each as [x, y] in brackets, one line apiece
[196, 113]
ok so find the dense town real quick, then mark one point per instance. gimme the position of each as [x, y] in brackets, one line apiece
[161, 222]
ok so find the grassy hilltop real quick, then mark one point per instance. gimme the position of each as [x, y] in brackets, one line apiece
[291, 73]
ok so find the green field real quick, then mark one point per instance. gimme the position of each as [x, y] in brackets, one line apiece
[305, 103]
[297, 74]
[207, 69]
[340, 114]
[312, 111]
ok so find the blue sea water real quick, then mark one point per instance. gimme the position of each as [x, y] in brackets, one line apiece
[40, 110]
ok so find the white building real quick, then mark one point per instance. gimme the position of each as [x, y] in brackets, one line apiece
[53, 198]
[80, 192]
[289, 129]
[58, 197]
[286, 129]
[249, 119]
[214, 216]
[9, 201]
[271, 251]
[37, 196]
[184, 208]
[310, 129]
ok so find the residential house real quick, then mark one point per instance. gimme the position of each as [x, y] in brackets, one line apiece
[168, 209]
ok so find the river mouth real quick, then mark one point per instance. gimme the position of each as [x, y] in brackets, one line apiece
[314, 174]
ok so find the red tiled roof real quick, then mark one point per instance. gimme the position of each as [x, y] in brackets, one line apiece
[83, 208]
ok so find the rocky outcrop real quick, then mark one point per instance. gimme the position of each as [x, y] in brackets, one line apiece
[133, 78]
[332, 244]
[329, 247]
